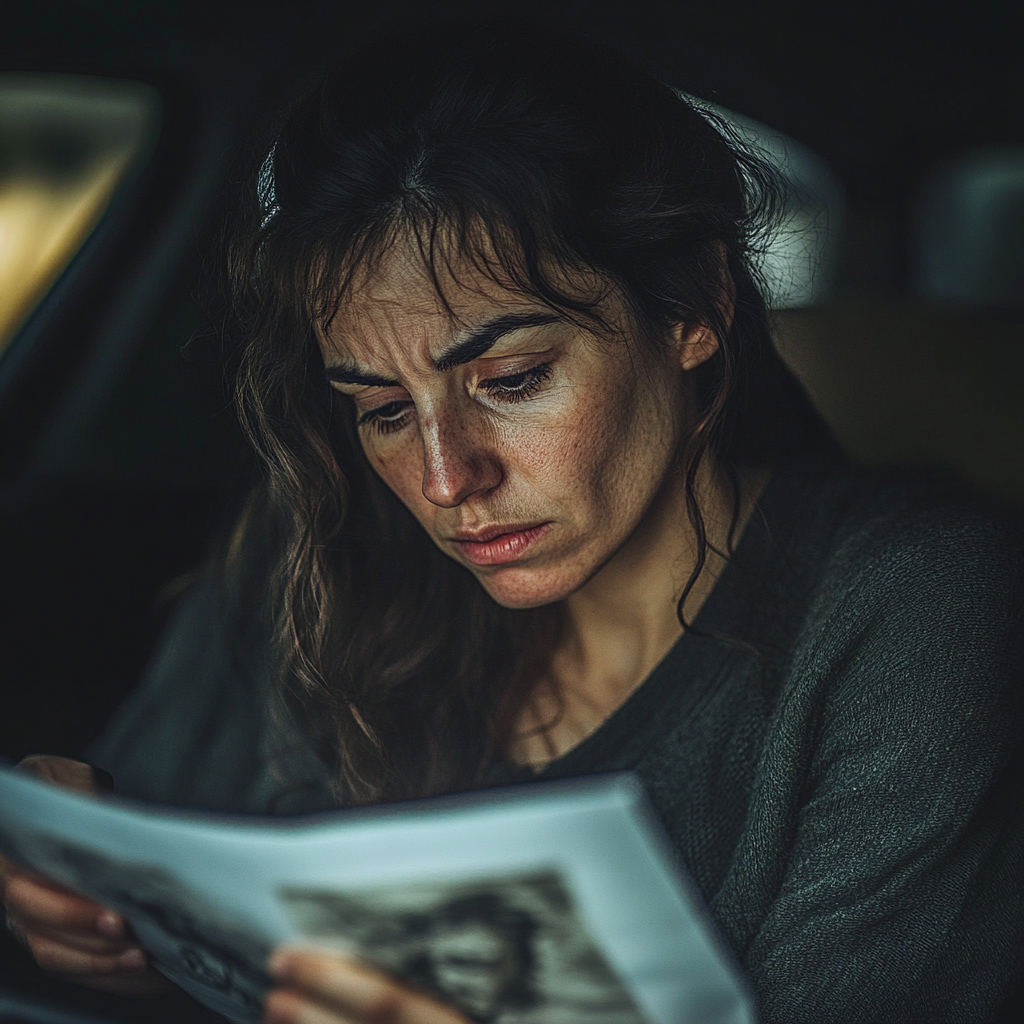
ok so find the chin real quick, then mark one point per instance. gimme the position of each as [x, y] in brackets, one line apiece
[522, 588]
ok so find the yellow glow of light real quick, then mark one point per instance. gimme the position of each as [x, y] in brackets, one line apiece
[41, 228]
[66, 144]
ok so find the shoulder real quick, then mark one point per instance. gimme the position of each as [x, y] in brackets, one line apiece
[204, 728]
[912, 625]
[913, 543]
[852, 552]
[191, 688]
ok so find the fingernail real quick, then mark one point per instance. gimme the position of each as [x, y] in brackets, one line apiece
[133, 960]
[110, 924]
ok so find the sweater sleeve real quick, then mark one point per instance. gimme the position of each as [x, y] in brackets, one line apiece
[901, 897]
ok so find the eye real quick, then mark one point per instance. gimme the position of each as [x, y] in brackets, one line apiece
[386, 418]
[517, 386]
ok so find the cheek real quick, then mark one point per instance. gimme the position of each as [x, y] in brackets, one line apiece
[590, 449]
[399, 463]
[559, 458]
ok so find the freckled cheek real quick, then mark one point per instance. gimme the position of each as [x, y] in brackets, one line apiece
[567, 455]
[400, 466]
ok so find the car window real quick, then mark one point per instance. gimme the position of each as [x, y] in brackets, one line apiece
[66, 143]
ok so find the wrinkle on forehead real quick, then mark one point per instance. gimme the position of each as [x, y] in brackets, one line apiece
[393, 308]
[437, 268]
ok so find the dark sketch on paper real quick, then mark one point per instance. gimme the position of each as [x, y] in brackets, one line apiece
[510, 950]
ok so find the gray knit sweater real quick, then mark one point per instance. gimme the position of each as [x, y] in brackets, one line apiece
[834, 749]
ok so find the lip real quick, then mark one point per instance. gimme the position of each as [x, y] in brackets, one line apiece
[499, 545]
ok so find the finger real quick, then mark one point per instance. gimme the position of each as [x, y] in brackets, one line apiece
[9, 873]
[286, 1006]
[32, 900]
[62, 959]
[349, 988]
[84, 941]
[63, 771]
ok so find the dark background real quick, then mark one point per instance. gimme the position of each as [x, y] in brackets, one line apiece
[118, 454]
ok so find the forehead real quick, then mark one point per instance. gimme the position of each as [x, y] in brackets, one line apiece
[402, 286]
[404, 297]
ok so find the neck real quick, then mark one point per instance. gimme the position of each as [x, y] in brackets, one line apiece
[621, 624]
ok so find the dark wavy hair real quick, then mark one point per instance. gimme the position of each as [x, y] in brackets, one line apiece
[534, 154]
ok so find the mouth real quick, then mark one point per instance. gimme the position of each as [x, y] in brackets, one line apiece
[499, 545]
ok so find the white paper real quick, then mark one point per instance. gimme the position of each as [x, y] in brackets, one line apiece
[551, 903]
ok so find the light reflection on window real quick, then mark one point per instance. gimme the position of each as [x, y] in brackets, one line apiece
[66, 142]
[798, 261]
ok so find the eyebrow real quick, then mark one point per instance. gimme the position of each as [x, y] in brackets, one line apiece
[475, 343]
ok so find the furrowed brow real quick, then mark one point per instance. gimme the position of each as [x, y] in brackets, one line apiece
[484, 336]
[343, 373]
[475, 343]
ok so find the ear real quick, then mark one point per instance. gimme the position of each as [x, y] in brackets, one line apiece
[694, 343]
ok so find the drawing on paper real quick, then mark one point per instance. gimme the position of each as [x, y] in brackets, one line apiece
[510, 950]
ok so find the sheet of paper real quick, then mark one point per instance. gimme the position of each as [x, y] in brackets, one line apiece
[553, 903]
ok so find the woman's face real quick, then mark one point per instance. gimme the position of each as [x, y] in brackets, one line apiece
[474, 965]
[528, 448]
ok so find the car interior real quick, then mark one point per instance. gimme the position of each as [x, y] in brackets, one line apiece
[896, 282]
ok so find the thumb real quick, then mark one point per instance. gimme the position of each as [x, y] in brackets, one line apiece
[71, 774]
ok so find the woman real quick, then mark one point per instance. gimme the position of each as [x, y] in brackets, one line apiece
[540, 500]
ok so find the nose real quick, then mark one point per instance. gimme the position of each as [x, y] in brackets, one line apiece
[457, 463]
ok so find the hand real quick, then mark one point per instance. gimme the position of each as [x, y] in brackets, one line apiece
[65, 932]
[327, 988]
